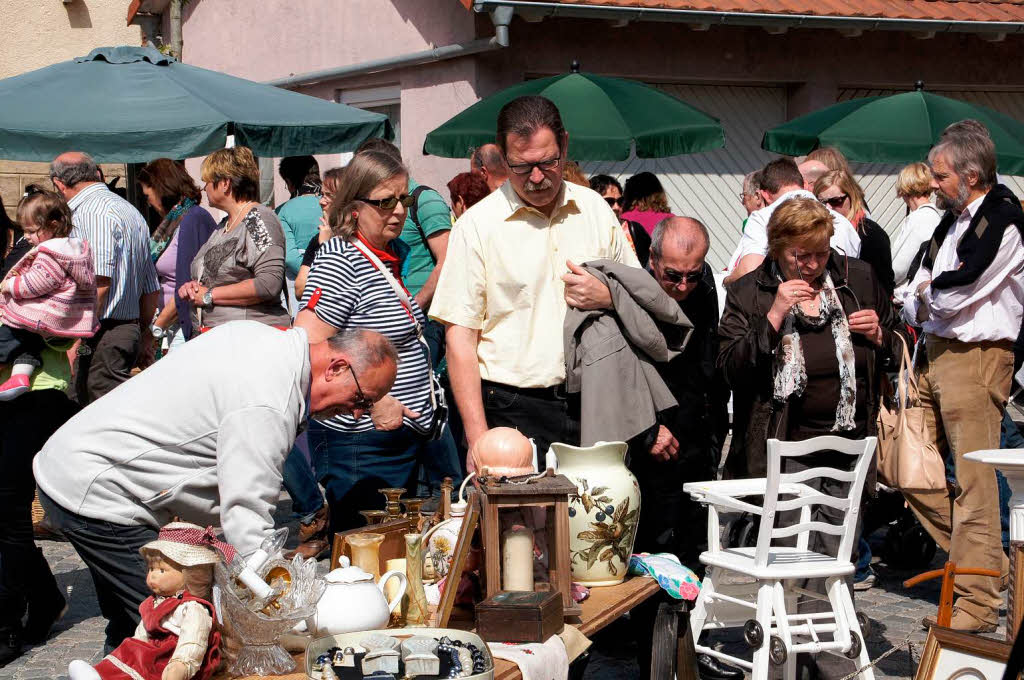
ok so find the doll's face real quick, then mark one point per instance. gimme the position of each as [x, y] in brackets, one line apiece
[164, 578]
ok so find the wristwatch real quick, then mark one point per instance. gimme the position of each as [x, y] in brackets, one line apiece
[208, 298]
[156, 331]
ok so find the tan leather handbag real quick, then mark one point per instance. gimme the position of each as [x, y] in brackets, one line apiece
[908, 459]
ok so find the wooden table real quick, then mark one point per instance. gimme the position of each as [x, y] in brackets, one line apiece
[602, 607]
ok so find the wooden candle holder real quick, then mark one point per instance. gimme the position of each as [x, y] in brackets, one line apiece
[550, 493]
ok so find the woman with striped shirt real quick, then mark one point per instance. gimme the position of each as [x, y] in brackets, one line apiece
[355, 282]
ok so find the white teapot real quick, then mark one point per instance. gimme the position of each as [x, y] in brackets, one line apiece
[353, 602]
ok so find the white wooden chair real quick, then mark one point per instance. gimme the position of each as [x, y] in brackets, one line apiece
[767, 608]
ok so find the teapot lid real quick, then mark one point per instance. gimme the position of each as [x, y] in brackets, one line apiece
[347, 573]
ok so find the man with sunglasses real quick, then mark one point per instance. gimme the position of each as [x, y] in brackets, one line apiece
[513, 271]
[239, 395]
[780, 181]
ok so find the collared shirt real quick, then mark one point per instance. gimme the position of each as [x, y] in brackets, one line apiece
[755, 233]
[988, 309]
[502, 276]
[119, 239]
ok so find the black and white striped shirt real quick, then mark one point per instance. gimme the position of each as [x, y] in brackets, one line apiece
[118, 237]
[354, 294]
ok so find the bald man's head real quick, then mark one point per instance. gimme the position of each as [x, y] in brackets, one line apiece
[678, 248]
[489, 162]
[685, 233]
[72, 168]
[811, 171]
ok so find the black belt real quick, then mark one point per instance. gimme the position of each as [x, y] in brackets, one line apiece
[552, 393]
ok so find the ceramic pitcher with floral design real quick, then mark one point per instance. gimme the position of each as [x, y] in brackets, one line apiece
[604, 512]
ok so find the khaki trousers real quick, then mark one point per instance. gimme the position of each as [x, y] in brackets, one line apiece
[963, 389]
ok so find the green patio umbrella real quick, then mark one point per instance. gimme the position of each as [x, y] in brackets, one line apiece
[604, 116]
[134, 104]
[899, 128]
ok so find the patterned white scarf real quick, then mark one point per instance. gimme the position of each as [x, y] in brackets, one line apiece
[791, 368]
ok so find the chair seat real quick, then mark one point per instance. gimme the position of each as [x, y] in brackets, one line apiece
[783, 563]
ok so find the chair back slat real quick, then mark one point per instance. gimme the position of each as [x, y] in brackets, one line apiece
[849, 503]
[823, 527]
[814, 473]
[812, 499]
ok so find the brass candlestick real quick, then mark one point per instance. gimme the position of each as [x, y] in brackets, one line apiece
[393, 507]
[413, 507]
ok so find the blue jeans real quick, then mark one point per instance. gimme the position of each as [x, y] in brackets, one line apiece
[1010, 438]
[118, 570]
[300, 480]
[439, 459]
[353, 467]
[863, 561]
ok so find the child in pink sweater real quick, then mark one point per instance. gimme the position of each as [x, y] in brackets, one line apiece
[50, 292]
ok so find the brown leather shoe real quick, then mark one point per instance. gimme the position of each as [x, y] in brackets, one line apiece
[313, 536]
[961, 621]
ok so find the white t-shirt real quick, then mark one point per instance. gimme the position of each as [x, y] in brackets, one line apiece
[755, 235]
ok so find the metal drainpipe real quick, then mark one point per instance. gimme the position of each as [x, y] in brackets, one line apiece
[174, 19]
[556, 9]
[501, 16]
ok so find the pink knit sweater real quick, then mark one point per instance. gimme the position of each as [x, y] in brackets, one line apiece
[52, 290]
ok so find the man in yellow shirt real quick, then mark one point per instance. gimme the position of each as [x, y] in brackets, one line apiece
[512, 271]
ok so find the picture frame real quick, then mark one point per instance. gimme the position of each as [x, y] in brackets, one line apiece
[954, 655]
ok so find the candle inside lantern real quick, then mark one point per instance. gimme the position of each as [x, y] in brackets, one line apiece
[517, 559]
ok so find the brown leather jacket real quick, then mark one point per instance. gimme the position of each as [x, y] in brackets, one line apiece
[748, 345]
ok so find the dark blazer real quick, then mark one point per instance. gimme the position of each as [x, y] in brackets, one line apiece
[749, 342]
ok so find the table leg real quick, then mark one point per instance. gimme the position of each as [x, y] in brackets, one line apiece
[663, 644]
[686, 655]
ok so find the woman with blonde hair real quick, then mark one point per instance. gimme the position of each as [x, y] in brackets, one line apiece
[914, 186]
[840, 191]
[239, 271]
[356, 282]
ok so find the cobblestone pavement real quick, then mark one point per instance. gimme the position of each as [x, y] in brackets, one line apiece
[895, 614]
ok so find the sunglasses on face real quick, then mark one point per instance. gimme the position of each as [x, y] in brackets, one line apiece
[390, 202]
[527, 168]
[835, 201]
[612, 202]
[361, 403]
[675, 278]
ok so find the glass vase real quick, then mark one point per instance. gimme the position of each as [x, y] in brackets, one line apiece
[365, 549]
[417, 612]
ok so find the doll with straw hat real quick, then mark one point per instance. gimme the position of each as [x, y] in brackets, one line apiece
[177, 637]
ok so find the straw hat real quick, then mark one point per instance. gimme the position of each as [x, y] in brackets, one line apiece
[183, 543]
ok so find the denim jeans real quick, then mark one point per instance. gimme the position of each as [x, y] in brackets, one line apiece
[437, 460]
[25, 425]
[352, 467]
[118, 570]
[300, 480]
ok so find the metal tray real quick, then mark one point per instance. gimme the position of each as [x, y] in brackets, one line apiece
[320, 645]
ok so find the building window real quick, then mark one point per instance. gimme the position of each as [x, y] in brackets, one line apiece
[385, 99]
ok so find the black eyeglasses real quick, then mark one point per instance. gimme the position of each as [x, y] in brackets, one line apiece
[835, 201]
[612, 202]
[390, 202]
[361, 402]
[675, 278]
[527, 168]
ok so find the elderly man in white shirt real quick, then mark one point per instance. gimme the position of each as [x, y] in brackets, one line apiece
[967, 297]
[780, 181]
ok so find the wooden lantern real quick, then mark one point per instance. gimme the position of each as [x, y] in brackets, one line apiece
[550, 493]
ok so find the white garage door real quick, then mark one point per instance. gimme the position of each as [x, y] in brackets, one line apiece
[707, 185]
[879, 179]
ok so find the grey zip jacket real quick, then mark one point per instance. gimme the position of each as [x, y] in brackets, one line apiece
[610, 354]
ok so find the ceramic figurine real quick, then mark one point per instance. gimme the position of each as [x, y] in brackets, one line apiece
[177, 638]
[603, 514]
[353, 602]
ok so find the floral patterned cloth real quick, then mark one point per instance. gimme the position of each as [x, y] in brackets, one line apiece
[675, 579]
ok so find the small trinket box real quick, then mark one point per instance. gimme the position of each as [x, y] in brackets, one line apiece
[419, 654]
[520, 616]
[385, 660]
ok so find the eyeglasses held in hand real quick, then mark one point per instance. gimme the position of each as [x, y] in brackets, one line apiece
[390, 202]
[835, 201]
[361, 403]
[527, 168]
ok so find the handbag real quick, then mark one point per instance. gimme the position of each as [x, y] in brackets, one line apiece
[908, 459]
[439, 420]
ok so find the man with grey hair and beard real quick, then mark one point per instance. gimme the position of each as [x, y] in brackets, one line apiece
[967, 296]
